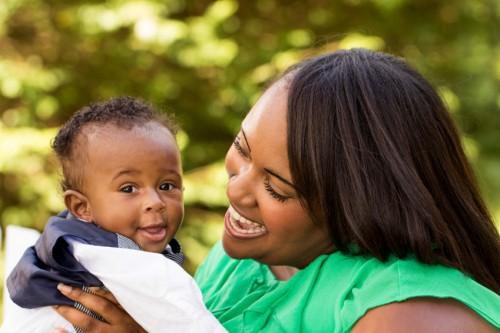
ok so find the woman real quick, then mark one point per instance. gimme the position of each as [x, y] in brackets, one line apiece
[353, 208]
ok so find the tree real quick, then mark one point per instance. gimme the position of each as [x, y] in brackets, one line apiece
[207, 62]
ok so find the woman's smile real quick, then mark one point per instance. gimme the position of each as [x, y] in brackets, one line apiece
[240, 227]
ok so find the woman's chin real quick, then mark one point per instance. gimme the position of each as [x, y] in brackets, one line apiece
[233, 250]
[243, 244]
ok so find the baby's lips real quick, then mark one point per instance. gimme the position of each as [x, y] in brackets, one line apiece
[154, 233]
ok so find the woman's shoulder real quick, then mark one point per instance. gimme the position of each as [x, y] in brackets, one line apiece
[374, 284]
[423, 315]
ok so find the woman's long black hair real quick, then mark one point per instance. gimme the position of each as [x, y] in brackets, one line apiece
[377, 156]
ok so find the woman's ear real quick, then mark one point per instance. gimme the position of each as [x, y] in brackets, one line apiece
[78, 205]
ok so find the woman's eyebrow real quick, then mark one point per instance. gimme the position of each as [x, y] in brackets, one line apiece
[245, 137]
[271, 172]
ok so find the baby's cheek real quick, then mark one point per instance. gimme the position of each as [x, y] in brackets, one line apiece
[125, 223]
[175, 212]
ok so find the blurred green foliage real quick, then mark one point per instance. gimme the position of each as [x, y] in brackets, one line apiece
[207, 62]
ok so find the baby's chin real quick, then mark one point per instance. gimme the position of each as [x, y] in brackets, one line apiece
[153, 247]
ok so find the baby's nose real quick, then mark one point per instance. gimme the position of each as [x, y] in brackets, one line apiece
[154, 202]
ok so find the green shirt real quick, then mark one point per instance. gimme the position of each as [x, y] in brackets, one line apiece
[330, 294]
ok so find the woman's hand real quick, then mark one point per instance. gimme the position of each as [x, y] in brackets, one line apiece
[103, 303]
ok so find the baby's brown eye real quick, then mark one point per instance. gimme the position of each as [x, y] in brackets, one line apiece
[127, 189]
[167, 186]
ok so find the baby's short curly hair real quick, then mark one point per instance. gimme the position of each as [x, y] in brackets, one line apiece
[124, 112]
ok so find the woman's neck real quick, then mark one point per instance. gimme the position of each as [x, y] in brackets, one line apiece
[283, 273]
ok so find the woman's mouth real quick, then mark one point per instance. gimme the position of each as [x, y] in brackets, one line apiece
[241, 227]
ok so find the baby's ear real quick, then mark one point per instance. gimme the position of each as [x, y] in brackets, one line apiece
[78, 205]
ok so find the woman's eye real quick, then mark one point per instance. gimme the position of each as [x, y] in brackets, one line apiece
[167, 186]
[273, 193]
[237, 146]
[128, 189]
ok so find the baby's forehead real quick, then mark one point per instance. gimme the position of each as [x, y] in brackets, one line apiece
[112, 147]
[110, 131]
[118, 126]
[127, 137]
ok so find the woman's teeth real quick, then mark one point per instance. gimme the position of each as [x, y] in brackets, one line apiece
[243, 225]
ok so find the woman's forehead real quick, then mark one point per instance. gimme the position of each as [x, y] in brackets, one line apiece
[269, 112]
[265, 129]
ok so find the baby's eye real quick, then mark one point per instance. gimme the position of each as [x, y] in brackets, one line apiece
[167, 187]
[128, 189]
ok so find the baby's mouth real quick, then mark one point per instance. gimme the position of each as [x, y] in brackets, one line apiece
[154, 232]
[241, 227]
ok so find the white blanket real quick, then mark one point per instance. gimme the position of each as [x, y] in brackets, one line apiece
[154, 290]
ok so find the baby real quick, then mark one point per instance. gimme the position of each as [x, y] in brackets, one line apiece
[122, 182]
[122, 171]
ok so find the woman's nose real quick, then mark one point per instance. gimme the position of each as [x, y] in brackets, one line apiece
[153, 202]
[241, 187]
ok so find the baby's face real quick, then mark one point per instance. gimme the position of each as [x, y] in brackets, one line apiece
[133, 181]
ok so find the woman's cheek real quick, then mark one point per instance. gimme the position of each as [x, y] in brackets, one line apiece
[282, 217]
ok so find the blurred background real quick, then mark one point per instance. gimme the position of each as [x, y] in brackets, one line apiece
[207, 62]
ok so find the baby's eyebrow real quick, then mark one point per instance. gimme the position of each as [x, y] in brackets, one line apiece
[173, 172]
[125, 172]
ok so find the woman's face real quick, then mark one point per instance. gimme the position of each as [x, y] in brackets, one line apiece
[265, 220]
